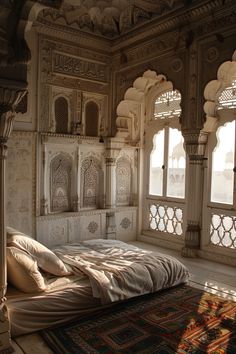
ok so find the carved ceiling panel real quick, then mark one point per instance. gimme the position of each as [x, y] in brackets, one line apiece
[110, 18]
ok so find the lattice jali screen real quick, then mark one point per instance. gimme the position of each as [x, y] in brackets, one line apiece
[227, 99]
[223, 230]
[166, 218]
[167, 105]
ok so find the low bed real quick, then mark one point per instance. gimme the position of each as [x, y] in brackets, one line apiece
[48, 287]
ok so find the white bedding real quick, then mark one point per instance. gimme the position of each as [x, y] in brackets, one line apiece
[118, 271]
[106, 271]
[65, 299]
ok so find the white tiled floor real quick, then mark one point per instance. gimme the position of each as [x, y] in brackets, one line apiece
[213, 277]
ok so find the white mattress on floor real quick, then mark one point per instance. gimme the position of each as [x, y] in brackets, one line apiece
[65, 298]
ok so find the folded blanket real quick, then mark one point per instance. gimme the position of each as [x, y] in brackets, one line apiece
[119, 271]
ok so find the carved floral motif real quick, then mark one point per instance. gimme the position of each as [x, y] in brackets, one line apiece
[125, 223]
[92, 227]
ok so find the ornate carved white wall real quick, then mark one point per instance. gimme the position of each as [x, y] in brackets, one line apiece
[20, 182]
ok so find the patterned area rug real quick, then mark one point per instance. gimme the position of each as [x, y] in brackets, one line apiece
[180, 320]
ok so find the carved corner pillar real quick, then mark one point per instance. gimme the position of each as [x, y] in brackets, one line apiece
[9, 98]
[195, 143]
[110, 182]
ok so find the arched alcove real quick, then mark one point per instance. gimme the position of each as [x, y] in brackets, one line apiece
[60, 183]
[91, 119]
[61, 113]
[123, 181]
[91, 183]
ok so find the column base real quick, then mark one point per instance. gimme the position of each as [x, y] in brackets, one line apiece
[189, 252]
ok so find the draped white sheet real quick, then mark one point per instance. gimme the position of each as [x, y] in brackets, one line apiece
[105, 271]
[118, 271]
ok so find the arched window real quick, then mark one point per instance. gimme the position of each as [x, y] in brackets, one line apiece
[91, 119]
[219, 223]
[167, 167]
[61, 115]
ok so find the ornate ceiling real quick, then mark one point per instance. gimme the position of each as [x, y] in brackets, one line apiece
[109, 18]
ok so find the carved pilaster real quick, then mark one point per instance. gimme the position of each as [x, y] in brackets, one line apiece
[9, 98]
[110, 181]
[195, 143]
[110, 226]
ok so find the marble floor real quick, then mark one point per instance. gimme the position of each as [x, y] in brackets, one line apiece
[213, 277]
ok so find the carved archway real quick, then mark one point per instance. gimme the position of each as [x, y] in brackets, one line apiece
[225, 75]
[131, 112]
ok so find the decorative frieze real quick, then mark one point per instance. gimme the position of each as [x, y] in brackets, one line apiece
[68, 65]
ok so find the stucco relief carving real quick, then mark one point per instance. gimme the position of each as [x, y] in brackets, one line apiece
[65, 64]
[45, 98]
[60, 183]
[57, 234]
[20, 182]
[130, 110]
[123, 181]
[91, 182]
[125, 223]
[111, 19]
[225, 75]
[92, 227]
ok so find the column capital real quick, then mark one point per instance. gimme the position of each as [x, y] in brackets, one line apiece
[110, 160]
[195, 143]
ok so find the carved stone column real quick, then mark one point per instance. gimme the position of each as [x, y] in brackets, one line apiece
[110, 182]
[195, 148]
[8, 100]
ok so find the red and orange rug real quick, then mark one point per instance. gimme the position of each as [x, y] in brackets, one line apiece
[179, 320]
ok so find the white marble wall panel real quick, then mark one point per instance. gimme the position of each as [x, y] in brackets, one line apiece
[52, 231]
[93, 226]
[20, 182]
[126, 224]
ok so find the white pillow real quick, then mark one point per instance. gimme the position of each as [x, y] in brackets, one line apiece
[23, 272]
[46, 259]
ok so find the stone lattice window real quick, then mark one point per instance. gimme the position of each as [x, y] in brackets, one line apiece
[167, 105]
[166, 218]
[223, 230]
[61, 115]
[227, 98]
[91, 119]
[123, 181]
[60, 183]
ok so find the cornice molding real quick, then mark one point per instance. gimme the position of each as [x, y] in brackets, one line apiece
[73, 36]
[172, 22]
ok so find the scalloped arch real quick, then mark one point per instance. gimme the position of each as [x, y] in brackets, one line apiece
[214, 88]
[137, 104]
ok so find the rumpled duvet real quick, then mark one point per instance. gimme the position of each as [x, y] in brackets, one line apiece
[119, 271]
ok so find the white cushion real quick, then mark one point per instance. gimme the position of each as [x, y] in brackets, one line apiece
[23, 272]
[46, 259]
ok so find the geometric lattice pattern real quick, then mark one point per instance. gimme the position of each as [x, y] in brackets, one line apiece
[167, 105]
[223, 230]
[166, 218]
[227, 99]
